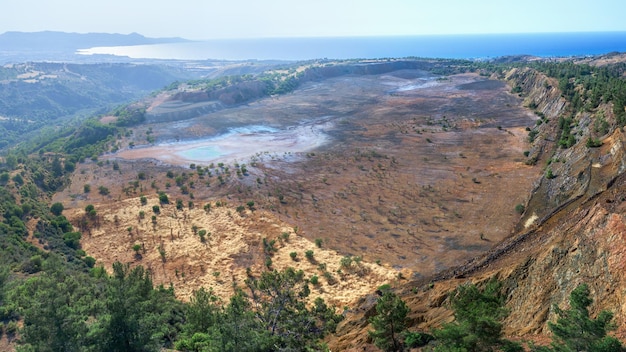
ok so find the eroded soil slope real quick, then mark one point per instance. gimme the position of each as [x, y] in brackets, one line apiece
[581, 243]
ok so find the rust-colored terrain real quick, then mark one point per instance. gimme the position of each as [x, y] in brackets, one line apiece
[417, 172]
[392, 175]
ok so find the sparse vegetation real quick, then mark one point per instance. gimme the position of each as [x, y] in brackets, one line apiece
[56, 208]
[203, 233]
[318, 242]
[309, 255]
[103, 190]
[593, 143]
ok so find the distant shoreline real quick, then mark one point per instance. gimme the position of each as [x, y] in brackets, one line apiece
[432, 46]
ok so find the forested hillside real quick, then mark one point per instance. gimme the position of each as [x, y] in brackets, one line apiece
[36, 95]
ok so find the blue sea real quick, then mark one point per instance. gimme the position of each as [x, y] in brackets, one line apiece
[431, 46]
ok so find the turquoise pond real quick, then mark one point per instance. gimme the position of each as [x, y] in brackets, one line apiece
[238, 144]
[201, 153]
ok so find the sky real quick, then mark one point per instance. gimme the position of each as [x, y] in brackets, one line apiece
[210, 19]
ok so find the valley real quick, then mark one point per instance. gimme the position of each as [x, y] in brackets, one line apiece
[337, 180]
[413, 171]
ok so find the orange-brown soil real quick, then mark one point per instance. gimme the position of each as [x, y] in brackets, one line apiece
[418, 173]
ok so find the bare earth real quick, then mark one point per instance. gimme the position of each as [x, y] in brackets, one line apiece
[415, 172]
[232, 147]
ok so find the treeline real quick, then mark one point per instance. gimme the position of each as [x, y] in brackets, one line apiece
[586, 86]
[71, 310]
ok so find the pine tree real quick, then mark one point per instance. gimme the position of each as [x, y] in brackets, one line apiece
[574, 330]
[478, 321]
[390, 321]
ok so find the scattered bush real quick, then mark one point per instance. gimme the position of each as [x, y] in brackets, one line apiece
[57, 209]
[593, 143]
[103, 190]
[202, 233]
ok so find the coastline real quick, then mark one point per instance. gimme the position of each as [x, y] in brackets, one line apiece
[432, 46]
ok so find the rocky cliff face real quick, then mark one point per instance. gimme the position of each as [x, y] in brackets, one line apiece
[575, 172]
[573, 232]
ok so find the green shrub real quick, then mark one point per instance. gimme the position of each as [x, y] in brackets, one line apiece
[57, 209]
[593, 143]
[103, 190]
[389, 322]
[90, 261]
[417, 339]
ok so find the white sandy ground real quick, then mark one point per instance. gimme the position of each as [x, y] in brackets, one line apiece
[233, 146]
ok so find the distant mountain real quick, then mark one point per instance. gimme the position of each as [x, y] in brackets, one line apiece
[50, 41]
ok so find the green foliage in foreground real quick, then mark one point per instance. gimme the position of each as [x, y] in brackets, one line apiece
[273, 316]
[390, 321]
[65, 310]
[73, 311]
[574, 330]
[478, 317]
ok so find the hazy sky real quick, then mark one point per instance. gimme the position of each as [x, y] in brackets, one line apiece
[207, 19]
